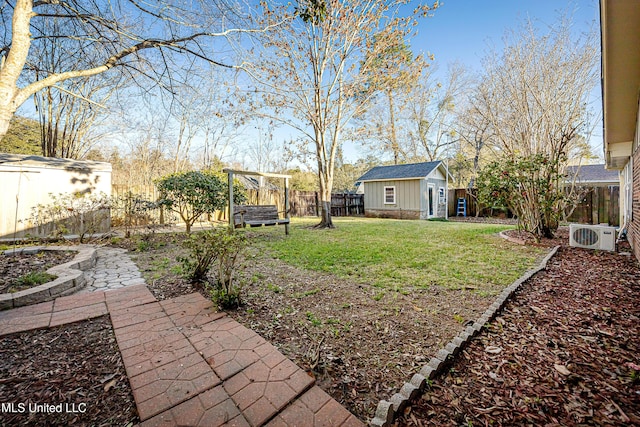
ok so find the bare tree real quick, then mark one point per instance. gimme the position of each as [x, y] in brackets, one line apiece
[138, 38]
[433, 112]
[537, 90]
[263, 151]
[475, 133]
[536, 103]
[69, 110]
[313, 72]
[396, 76]
[146, 142]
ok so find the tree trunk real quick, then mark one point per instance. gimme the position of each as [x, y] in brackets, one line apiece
[11, 67]
[6, 113]
[392, 130]
[325, 201]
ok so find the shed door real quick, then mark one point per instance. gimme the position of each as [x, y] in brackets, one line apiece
[431, 197]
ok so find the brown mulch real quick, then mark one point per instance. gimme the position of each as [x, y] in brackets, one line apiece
[12, 267]
[74, 368]
[563, 352]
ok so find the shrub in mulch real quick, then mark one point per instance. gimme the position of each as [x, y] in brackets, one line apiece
[15, 270]
[67, 375]
[564, 351]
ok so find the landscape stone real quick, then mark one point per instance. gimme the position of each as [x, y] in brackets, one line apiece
[399, 402]
[384, 412]
[409, 391]
[435, 364]
[428, 371]
[419, 381]
[443, 354]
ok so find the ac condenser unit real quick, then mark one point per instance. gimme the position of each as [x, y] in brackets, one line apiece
[592, 237]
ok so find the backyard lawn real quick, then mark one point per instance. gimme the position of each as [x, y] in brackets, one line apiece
[361, 307]
[401, 255]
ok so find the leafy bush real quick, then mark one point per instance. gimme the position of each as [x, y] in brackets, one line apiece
[216, 250]
[532, 187]
[192, 194]
[203, 251]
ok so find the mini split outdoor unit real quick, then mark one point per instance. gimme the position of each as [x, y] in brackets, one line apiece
[600, 237]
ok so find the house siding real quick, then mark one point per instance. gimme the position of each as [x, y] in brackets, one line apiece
[28, 181]
[407, 199]
[633, 233]
[411, 198]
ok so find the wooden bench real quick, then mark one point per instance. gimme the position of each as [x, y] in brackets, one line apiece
[257, 216]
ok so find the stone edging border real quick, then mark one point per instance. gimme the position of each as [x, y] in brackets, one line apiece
[70, 276]
[387, 410]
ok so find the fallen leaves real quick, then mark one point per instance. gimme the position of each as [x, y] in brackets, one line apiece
[562, 369]
[492, 349]
[562, 352]
[108, 386]
[72, 364]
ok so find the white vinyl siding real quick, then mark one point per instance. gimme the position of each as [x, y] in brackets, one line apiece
[407, 194]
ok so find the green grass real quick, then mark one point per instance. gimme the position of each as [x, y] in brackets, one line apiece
[30, 280]
[397, 255]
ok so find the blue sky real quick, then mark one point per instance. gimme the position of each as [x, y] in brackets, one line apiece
[466, 30]
[463, 30]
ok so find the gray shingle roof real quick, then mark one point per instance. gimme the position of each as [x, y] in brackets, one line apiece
[51, 162]
[593, 173]
[412, 170]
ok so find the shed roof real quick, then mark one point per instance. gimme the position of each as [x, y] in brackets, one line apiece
[407, 171]
[593, 173]
[253, 183]
[22, 160]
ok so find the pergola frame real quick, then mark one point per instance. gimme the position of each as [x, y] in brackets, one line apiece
[231, 172]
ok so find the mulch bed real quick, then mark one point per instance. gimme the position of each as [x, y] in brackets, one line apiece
[564, 352]
[75, 367]
[12, 267]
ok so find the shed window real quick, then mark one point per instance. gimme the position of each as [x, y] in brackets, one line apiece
[389, 195]
[441, 196]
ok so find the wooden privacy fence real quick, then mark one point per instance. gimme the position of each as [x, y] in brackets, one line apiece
[307, 203]
[470, 195]
[302, 203]
[598, 205]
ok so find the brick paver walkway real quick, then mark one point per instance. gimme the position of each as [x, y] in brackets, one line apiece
[190, 365]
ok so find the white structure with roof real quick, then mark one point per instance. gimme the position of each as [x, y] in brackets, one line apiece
[409, 191]
[31, 180]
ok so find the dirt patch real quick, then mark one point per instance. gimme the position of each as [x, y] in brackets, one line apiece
[561, 237]
[13, 267]
[484, 220]
[360, 342]
[76, 366]
[563, 352]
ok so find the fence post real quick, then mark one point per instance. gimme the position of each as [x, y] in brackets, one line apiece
[231, 221]
[286, 205]
[346, 207]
